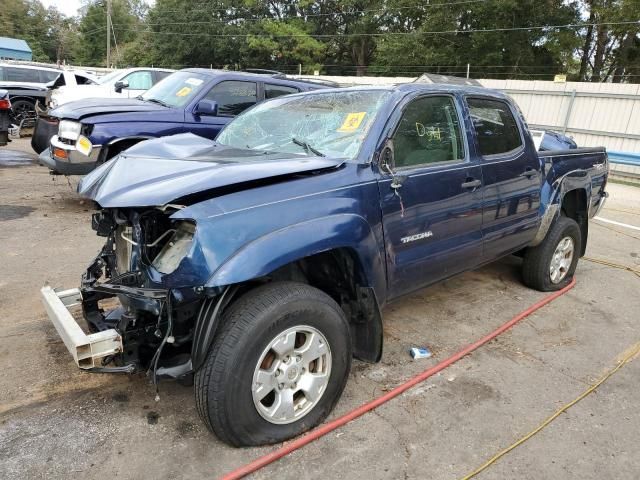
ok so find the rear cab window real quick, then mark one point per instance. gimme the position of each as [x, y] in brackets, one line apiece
[233, 96]
[273, 91]
[160, 75]
[497, 131]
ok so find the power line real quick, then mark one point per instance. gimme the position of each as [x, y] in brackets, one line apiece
[416, 5]
[415, 32]
[303, 15]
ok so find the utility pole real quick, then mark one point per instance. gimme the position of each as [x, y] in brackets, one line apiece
[108, 33]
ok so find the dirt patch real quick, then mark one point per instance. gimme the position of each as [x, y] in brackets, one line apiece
[13, 212]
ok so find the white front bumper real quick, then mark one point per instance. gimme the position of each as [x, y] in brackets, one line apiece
[87, 350]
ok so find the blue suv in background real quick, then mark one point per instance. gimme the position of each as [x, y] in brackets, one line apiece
[77, 136]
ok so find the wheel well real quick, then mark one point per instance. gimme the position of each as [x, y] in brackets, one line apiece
[115, 148]
[575, 206]
[339, 274]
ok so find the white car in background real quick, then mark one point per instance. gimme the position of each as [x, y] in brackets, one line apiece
[127, 83]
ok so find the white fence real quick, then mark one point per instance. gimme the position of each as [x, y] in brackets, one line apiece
[593, 114]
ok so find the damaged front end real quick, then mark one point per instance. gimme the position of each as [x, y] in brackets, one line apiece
[141, 309]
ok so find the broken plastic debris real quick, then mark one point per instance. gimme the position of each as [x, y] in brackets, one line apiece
[420, 352]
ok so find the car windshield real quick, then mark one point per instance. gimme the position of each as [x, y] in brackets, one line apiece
[109, 77]
[176, 90]
[331, 123]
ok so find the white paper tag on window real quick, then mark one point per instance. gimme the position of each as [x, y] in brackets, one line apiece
[193, 81]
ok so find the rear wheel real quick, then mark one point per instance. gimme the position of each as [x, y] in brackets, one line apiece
[21, 109]
[278, 366]
[551, 265]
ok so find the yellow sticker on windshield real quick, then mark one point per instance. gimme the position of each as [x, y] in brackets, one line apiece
[352, 122]
[183, 92]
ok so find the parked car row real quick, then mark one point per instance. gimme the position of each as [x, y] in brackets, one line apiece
[75, 137]
[256, 265]
[29, 85]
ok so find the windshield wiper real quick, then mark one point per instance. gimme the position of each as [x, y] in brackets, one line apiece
[155, 100]
[308, 148]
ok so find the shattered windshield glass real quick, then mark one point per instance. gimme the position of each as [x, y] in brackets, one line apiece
[330, 124]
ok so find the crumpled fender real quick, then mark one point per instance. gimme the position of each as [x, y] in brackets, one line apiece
[562, 177]
[278, 248]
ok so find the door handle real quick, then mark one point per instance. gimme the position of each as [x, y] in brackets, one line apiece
[529, 172]
[471, 183]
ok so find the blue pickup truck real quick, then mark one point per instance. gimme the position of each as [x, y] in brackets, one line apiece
[75, 137]
[259, 264]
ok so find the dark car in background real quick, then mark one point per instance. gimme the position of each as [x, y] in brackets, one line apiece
[83, 134]
[5, 110]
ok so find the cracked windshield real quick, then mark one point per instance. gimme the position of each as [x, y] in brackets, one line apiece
[330, 124]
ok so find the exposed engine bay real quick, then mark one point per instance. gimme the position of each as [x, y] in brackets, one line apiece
[156, 323]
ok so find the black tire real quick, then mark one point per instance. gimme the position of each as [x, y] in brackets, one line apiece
[223, 386]
[21, 109]
[537, 260]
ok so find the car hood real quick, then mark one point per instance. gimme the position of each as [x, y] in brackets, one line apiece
[81, 109]
[179, 167]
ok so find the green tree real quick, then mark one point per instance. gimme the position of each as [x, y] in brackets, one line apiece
[610, 50]
[93, 30]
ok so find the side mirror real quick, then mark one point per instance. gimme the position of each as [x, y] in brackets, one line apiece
[119, 86]
[387, 162]
[206, 107]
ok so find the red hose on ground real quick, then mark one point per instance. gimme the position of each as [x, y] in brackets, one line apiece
[338, 422]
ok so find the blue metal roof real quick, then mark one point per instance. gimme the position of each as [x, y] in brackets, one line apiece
[14, 49]
[14, 44]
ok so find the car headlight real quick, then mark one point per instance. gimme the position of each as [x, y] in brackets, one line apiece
[69, 130]
[176, 248]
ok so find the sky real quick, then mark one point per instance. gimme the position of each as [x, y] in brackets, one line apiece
[70, 7]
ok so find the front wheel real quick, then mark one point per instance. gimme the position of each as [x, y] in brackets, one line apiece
[278, 366]
[550, 266]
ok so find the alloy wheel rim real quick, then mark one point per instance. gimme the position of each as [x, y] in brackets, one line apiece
[291, 375]
[561, 260]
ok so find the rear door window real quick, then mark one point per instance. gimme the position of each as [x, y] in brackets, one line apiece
[47, 76]
[273, 91]
[233, 97]
[496, 129]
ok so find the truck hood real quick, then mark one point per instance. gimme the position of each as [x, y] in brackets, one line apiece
[180, 167]
[81, 109]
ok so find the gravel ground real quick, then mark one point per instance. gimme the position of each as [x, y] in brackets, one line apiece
[57, 422]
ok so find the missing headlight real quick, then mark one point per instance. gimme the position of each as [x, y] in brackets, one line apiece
[176, 248]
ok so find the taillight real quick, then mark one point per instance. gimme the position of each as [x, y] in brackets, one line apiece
[5, 104]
